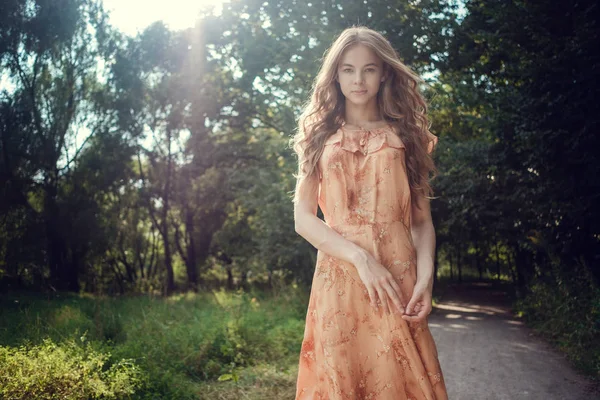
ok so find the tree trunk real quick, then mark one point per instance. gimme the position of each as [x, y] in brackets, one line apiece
[459, 264]
[497, 262]
[62, 274]
[230, 283]
[512, 268]
[244, 280]
[478, 264]
[170, 284]
[451, 266]
[191, 266]
[521, 264]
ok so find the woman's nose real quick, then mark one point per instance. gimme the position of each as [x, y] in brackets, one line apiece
[358, 78]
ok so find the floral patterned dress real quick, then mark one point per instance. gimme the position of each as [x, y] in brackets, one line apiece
[349, 351]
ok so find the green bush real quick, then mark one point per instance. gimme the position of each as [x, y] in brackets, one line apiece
[64, 371]
[565, 308]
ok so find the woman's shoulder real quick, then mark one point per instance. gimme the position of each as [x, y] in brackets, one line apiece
[334, 137]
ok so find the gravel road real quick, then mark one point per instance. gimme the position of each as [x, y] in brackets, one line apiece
[487, 353]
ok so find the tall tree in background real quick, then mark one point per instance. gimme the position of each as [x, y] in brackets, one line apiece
[536, 63]
[49, 115]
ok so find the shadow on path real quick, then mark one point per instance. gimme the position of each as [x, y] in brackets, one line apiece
[488, 353]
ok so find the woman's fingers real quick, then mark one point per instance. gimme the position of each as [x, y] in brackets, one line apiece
[416, 318]
[394, 294]
[382, 296]
[372, 296]
[389, 295]
[384, 292]
[391, 305]
[420, 310]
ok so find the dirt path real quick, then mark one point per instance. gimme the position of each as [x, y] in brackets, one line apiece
[488, 354]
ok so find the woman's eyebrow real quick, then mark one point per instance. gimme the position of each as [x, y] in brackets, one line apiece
[367, 65]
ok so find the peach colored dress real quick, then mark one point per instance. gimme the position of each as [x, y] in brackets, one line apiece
[349, 351]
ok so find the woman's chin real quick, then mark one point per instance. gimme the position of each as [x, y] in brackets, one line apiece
[358, 100]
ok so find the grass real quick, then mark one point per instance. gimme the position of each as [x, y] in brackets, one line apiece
[219, 345]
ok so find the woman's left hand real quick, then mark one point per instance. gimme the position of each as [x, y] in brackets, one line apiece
[419, 306]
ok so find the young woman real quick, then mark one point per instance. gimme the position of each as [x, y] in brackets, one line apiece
[364, 151]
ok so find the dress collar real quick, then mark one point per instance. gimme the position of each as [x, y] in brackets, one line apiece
[365, 141]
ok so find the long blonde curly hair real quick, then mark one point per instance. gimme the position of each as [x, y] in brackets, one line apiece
[400, 103]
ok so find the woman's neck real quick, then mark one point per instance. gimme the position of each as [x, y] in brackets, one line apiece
[365, 124]
[363, 117]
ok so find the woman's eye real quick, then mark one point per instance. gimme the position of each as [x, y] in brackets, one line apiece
[348, 70]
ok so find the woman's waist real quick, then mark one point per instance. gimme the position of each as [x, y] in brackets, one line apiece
[379, 236]
[357, 225]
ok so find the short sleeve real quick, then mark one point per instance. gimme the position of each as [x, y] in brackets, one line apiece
[432, 142]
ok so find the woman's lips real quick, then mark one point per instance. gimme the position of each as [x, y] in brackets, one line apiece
[359, 91]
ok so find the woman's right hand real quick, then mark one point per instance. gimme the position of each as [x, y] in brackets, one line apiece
[380, 283]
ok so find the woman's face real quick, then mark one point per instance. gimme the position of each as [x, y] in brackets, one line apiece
[359, 74]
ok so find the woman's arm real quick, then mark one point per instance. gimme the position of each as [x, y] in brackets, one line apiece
[315, 231]
[423, 234]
